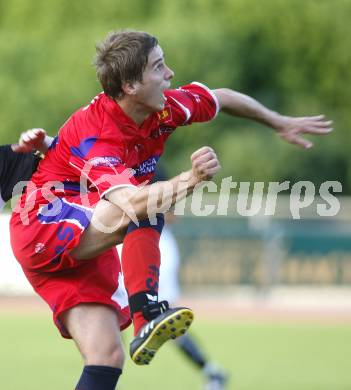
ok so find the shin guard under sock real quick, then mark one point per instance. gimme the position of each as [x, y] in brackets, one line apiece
[141, 263]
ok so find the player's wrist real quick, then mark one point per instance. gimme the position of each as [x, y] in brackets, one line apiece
[277, 121]
[193, 180]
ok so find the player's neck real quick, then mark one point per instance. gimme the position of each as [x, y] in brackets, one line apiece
[134, 110]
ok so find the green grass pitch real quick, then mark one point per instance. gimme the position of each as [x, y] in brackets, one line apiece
[258, 356]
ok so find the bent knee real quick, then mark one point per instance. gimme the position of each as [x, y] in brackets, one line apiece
[113, 356]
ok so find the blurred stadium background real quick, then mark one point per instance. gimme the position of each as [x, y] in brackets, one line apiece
[281, 287]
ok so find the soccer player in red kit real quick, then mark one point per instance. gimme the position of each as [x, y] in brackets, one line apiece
[83, 199]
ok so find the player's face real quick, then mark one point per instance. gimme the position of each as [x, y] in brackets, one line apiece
[156, 78]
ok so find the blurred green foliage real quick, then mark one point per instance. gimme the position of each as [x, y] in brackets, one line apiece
[292, 55]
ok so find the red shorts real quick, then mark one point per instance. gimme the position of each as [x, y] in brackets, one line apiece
[42, 245]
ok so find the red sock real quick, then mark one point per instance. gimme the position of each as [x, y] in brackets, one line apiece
[138, 321]
[141, 264]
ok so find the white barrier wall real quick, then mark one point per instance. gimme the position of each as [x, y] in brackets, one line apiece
[12, 279]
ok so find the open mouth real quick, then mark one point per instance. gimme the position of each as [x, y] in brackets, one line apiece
[163, 97]
[163, 91]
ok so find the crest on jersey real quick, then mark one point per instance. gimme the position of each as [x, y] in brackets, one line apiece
[165, 115]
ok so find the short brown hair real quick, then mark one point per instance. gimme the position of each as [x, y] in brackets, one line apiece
[122, 57]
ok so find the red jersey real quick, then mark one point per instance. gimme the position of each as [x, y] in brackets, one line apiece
[105, 146]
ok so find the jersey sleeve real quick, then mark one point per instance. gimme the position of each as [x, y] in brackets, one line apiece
[190, 103]
[100, 163]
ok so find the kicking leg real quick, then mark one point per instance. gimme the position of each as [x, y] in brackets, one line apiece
[154, 322]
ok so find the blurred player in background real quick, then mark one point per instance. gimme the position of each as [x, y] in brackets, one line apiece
[14, 167]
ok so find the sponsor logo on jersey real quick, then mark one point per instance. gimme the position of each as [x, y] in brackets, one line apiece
[161, 130]
[105, 161]
[146, 167]
[165, 129]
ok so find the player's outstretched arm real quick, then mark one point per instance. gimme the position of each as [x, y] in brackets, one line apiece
[159, 197]
[290, 129]
[33, 139]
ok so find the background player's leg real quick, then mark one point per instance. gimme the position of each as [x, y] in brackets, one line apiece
[215, 377]
[169, 289]
[95, 330]
[187, 345]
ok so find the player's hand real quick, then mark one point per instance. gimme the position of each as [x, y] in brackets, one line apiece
[205, 164]
[30, 140]
[291, 129]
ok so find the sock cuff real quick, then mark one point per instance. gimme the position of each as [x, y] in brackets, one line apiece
[139, 300]
[103, 369]
[146, 223]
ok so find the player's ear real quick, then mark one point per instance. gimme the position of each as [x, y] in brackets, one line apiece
[130, 88]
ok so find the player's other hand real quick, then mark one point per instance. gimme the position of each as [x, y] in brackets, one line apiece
[30, 140]
[205, 164]
[291, 129]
